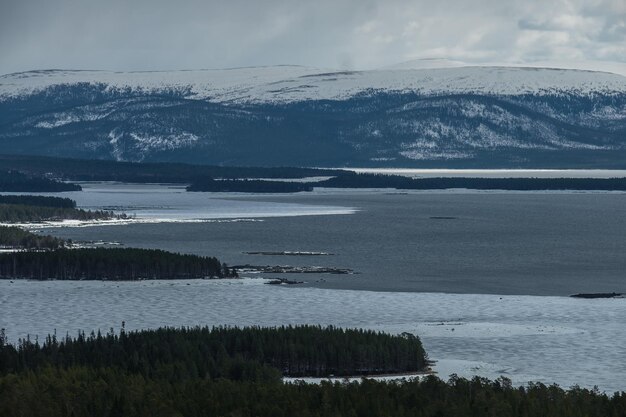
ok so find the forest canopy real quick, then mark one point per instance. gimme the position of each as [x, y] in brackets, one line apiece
[38, 200]
[225, 352]
[14, 181]
[103, 170]
[249, 186]
[15, 237]
[35, 208]
[20, 213]
[354, 180]
[230, 372]
[110, 264]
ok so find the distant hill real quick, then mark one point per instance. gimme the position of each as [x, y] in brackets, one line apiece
[458, 116]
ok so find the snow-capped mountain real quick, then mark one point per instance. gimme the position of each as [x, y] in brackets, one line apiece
[428, 113]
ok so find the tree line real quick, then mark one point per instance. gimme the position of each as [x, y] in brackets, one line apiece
[213, 372]
[249, 186]
[226, 352]
[14, 237]
[34, 208]
[110, 392]
[106, 170]
[15, 181]
[233, 179]
[38, 200]
[110, 264]
[347, 179]
[16, 213]
[356, 180]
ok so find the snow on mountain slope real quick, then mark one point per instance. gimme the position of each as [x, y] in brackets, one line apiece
[283, 84]
[427, 113]
[618, 68]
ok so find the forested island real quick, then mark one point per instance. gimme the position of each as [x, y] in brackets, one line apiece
[251, 353]
[348, 179]
[15, 181]
[237, 372]
[355, 180]
[244, 179]
[249, 186]
[29, 208]
[112, 264]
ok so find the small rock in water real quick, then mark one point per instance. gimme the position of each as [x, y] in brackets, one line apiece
[598, 295]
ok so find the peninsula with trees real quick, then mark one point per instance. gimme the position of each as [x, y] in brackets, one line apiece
[32, 209]
[238, 372]
[111, 264]
[15, 238]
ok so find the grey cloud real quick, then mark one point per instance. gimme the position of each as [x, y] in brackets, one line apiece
[531, 24]
[614, 30]
[160, 34]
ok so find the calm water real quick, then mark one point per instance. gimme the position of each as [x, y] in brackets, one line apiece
[482, 277]
[497, 243]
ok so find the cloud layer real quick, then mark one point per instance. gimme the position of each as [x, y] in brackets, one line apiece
[160, 34]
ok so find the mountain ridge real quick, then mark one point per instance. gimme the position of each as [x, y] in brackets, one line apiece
[474, 116]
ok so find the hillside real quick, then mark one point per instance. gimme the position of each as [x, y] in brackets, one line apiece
[287, 115]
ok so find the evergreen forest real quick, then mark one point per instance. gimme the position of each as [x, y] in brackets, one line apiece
[249, 186]
[237, 372]
[112, 264]
[15, 237]
[14, 181]
[33, 208]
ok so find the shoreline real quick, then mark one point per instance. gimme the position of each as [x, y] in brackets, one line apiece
[121, 222]
[353, 378]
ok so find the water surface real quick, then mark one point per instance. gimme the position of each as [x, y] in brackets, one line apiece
[525, 338]
[463, 242]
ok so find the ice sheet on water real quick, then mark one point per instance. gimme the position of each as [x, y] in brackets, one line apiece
[163, 203]
[549, 339]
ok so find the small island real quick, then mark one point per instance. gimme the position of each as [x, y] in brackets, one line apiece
[283, 281]
[595, 295]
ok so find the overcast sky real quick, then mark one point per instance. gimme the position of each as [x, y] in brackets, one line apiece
[347, 34]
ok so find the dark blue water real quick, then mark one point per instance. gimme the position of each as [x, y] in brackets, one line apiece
[498, 243]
